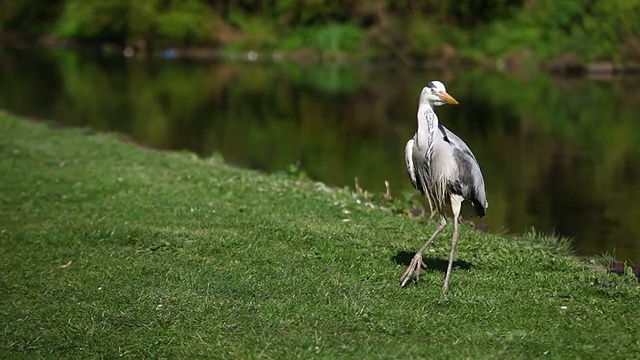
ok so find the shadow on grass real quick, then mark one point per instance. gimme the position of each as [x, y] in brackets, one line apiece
[433, 264]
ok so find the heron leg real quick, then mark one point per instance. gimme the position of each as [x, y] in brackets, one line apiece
[432, 211]
[416, 262]
[456, 204]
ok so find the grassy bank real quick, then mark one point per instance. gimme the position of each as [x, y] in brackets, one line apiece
[109, 249]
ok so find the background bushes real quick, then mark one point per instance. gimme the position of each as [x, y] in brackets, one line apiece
[378, 29]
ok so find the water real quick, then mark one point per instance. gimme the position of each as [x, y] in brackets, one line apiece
[560, 155]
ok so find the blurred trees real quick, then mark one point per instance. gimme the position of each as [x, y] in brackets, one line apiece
[376, 29]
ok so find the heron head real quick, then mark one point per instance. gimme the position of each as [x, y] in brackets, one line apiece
[435, 94]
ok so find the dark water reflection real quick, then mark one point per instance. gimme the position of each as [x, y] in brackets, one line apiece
[559, 155]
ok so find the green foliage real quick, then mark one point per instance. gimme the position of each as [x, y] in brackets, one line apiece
[426, 39]
[555, 243]
[433, 41]
[94, 19]
[185, 21]
[598, 30]
[617, 28]
[258, 32]
[327, 40]
[335, 38]
[595, 30]
[292, 172]
[154, 21]
[304, 13]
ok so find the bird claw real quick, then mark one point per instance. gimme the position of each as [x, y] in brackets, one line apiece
[414, 267]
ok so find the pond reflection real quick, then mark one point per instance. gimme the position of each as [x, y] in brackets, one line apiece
[559, 155]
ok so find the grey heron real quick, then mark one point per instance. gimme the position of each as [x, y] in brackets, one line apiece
[441, 166]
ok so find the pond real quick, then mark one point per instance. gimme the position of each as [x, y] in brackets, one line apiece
[559, 155]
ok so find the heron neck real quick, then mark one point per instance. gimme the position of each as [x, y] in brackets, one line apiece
[427, 124]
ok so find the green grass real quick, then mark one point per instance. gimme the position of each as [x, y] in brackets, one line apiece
[109, 249]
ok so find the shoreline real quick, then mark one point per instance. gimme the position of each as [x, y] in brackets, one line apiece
[567, 64]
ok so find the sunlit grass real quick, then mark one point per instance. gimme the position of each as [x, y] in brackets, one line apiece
[108, 249]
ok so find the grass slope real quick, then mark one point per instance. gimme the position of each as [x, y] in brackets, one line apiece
[108, 249]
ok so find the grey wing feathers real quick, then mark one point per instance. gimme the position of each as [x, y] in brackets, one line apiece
[470, 182]
[411, 170]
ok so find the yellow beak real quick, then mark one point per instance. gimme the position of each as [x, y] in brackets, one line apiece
[447, 98]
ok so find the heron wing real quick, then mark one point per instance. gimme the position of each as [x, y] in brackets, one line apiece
[470, 183]
[411, 170]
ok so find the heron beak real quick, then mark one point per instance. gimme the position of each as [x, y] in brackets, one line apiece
[447, 98]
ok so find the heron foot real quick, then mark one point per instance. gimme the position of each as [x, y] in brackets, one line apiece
[414, 268]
